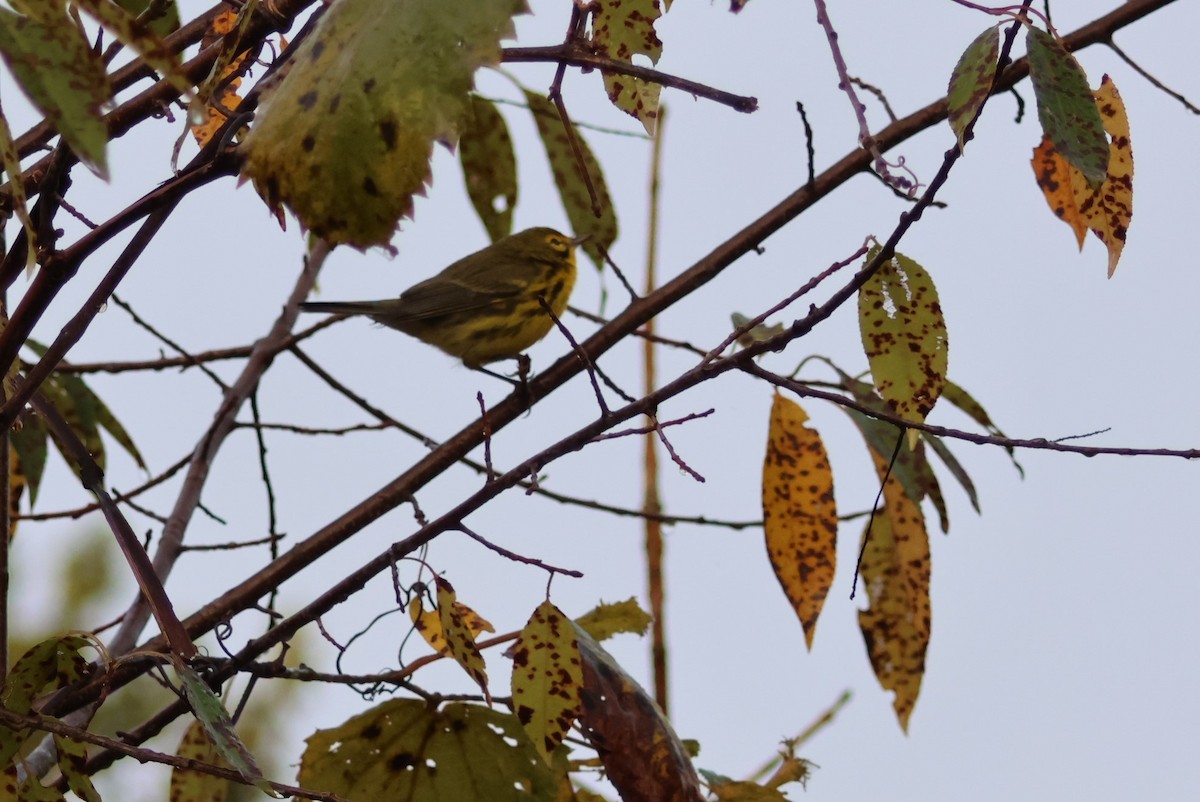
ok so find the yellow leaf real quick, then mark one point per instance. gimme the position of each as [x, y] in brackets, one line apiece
[547, 679]
[429, 623]
[895, 573]
[622, 29]
[799, 512]
[904, 336]
[195, 786]
[460, 642]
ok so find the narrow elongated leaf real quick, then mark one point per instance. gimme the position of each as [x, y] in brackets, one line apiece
[10, 161]
[64, 79]
[408, 749]
[219, 726]
[165, 17]
[141, 39]
[971, 81]
[622, 29]
[72, 762]
[1066, 107]
[895, 573]
[1108, 210]
[345, 139]
[960, 398]
[799, 512]
[602, 230]
[643, 757]
[904, 336]
[489, 167]
[29, 443]
[547, 679]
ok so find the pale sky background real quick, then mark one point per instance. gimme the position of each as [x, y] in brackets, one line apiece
[1063, 652]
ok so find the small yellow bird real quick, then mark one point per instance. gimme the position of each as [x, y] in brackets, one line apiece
[484, 307]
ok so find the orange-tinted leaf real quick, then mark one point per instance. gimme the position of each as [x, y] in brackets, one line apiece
[904, 336]
[1054, 178]
[799, 512]
[460, 641]
[643, 757]
[547, 679]
[895, 573]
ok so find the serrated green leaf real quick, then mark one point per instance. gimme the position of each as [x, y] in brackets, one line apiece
[219, 726]
[54, 65]
[408, 749]
[904, 336]
[346, 138]
[971, 81]
[489, 167]
[602, 230]
[1067, 107]
[608, 619]
[622, 29]
[547, 679]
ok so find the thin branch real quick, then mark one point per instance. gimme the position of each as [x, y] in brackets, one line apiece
[1157, 84]
[577, 56]
[512, 555]
[118, 497]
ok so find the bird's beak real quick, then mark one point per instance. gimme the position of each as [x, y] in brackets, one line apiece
[581, 240]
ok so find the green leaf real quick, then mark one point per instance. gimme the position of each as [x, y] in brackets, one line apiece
[163, 17]
[622, 29]
[346, 138]
[547, 679]
[757, 333]
[54, 65]
[1067, 107]
[960, 398]
[54, 662]
[489, 167]
[408, 749]
[219, 726]
[572, 189]
[971, 81]
[141, 39]
[955, 467]
[10, 162]
[605, 620]
[904, 336]
[29, 442]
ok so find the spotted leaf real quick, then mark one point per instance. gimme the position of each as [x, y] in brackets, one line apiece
[799, 512]
[547, 679]
[971, 81]
[1066, 107]
[622, 29]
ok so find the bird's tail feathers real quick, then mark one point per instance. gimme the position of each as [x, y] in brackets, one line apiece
[347, 307]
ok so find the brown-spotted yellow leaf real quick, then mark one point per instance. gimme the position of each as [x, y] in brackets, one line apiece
[1109, 210]
[799, 512]
[1053, 175]
[547, 679]
[489, 167]
[345, 139]
[904, 336]
[971, 81]
[602, 230]
[53, 663]
[65, 80]
[197, 786]
[72, 762]
[895, 574]
[429, 623]
[622, 29]
[408, 749]
[219, 94]
[608, 619]
[1066, 107]
[460, 641]
[643, 757]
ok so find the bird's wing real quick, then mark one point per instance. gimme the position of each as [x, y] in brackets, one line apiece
[467, 285]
